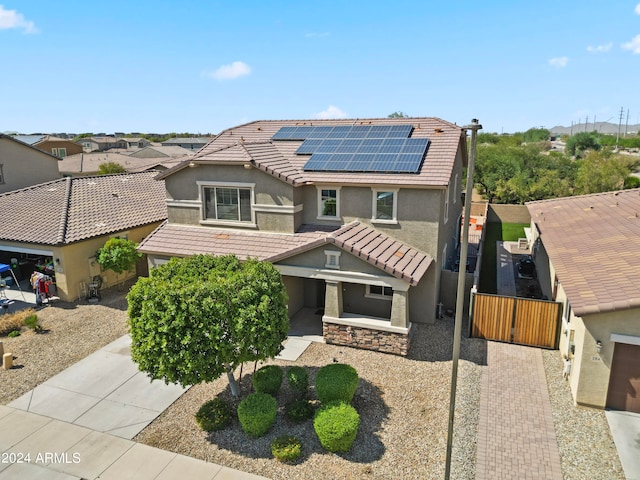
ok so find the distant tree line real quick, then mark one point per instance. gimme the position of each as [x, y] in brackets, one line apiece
[522, 167]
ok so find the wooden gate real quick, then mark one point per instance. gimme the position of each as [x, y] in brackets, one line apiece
[515, 320]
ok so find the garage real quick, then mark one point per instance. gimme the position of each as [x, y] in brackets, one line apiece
[24, 262]
[624, 381]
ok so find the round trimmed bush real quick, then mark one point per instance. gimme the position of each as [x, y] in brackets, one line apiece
[257, 413]
[214, 415]
[268, 379]
[336, 425]
[298, 410]
[286, 448]
[298, 379]
[336, 382]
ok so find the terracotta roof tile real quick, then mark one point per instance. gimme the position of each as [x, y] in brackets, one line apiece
[278, 158]
[358, 239]
[72, 209]
[592, 242]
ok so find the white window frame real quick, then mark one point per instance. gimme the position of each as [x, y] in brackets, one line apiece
[54, 151]
[456, 184]
[62, 152]
[374, 205]
[213, 221]
[320, 188]
[333, 259]
[379, 296]
[446, 205]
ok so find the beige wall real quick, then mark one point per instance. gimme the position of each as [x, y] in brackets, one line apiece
[508, 213]
[23, 166]
[355, 301]
[72, 148]
[295, 292]
[590, 371]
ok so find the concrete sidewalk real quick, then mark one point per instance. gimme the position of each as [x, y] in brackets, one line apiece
[37, 447]
[79, 424]
[625, 430]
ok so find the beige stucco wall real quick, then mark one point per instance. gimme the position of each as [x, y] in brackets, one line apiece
[72, 148]
[355, 301]
[74, 267]
[295, 292]
[590, 371]
[23, 166]
[316, 258]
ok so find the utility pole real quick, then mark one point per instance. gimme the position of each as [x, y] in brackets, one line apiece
[619, 125]
[586, 123]
[457, 330]
[572, 128]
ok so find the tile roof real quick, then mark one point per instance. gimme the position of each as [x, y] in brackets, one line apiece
[362, 241]
[73, 209]
[89, 163]
[593, 242]
[278, 157]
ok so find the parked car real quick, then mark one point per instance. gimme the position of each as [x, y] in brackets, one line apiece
[526, 267]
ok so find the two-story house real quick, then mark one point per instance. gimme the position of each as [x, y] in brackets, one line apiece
[22, 165]
[359, 216]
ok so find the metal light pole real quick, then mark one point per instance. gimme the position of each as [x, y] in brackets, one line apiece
[474, 127]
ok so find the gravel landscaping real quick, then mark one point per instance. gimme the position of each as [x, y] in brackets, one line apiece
[403, 404]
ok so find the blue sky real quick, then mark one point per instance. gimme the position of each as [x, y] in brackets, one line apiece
[203, 66]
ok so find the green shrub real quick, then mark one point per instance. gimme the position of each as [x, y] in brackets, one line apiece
[257, 413]
[336, 382]
[214, 415]
[298, 379]
[336, 425]
[286, 448]
[32, 322]
[14, 333]
[298, 410]
[268, 379]
[13, 321]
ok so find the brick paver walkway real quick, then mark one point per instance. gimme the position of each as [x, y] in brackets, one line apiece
[516, 437]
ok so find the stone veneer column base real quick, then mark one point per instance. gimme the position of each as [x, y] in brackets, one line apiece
[366, 338]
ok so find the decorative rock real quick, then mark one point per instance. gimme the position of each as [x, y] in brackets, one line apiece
[7, 361]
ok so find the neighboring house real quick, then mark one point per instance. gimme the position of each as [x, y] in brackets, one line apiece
[100, 144]
[59, 147]
[84, 164]
[132, 143]
[61, 224]
[188, 143]
[587, 253]
[362, 242]
[161, 152]
[22, 165]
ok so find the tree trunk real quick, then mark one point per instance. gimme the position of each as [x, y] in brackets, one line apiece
[233, 384]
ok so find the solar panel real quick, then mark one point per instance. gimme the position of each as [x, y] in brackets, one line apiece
[358, 148]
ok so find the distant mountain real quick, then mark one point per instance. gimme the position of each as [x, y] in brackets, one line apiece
[602, 127]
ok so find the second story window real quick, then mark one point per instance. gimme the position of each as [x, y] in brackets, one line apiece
[328, 202]
[227, 203]
[385, 206]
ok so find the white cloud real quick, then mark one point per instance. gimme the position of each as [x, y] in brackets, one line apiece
[559, 62]
[637, 9]
[12, 19]
[331, 112]
[229, 72]
[633, 45]
[600, 48]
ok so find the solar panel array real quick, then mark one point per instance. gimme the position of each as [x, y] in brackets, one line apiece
[358, 148]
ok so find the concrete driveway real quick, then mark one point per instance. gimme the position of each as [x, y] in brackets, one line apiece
[625, 430]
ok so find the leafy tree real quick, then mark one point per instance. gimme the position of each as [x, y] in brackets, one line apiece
[118, 254]
[108, 168]
[601, 172]
[536, 135]
[581, 142]
[398, 114]
[195, 318]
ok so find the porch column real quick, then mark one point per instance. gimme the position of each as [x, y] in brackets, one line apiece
[400, 309]
[333, 299]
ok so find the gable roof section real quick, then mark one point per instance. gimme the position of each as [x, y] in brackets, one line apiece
[593, 243]
[73, 209]
[362, 241]
[27, 145]
[282, 162]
